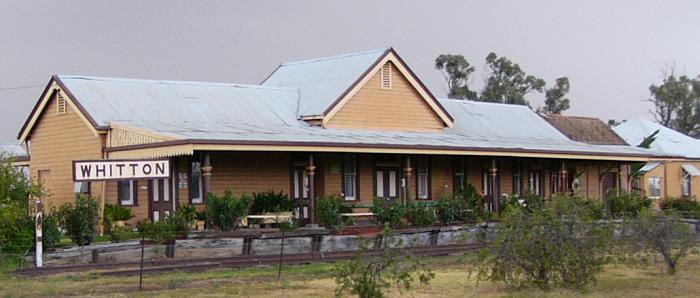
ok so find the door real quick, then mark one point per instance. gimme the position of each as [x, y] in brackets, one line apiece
[300, 190]
[608, 185]
[159, 197]
[387, 183]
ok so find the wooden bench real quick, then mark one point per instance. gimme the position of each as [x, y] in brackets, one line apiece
[268, 218]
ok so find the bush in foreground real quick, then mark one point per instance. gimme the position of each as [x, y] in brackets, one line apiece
[80, 219]
[370, 277]
[666, 235]
[627, 204]
[685, 207]
[558, 245]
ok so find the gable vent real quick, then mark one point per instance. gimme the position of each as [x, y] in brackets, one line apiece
[60, 104]
[386, 76]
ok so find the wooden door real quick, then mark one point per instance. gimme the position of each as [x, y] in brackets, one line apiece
[160, 203]
[608, 185]
[300, 191]
[386, 182]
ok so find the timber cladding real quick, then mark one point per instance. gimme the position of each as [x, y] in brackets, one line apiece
[57, 140]
[249, 172]
[399, 108]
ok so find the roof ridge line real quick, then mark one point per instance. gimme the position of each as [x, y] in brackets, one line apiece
[332, 57]
[151, 81]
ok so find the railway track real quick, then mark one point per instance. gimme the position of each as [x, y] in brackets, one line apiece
[202, 264]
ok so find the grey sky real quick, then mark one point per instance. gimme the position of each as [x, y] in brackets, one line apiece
[610, 50]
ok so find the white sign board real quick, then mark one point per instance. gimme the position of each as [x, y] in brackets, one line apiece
[98, 170]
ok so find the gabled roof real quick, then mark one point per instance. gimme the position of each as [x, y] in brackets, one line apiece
[321, 81]
[668, 141]
[325, 84]
[268, 115]
[584, 129]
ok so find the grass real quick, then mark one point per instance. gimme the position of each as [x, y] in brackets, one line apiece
[313, 280]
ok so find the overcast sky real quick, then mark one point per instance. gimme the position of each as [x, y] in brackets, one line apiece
[610, 50]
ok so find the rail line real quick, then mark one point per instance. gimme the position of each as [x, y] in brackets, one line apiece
[202, 264]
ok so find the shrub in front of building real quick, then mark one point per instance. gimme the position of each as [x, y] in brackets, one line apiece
[656, 233]
[627, 204]
[270, 202]
[388, 212]
[114, 214]
[686, 207]
[419, 214]
[462, 206]
[80, 219]
[557, 245]
[225, 212]
[329, 210]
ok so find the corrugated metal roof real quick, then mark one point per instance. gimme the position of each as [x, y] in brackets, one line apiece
[219, 111]
[321, 81]
[14, 150]
[649, 166]
[668, 141]
[194, 104]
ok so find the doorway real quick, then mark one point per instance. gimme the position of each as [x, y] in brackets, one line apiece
[160, 204]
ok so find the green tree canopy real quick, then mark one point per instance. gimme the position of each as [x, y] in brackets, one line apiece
[555, 98]
[677, 103]
[507, 82]
[456, 70]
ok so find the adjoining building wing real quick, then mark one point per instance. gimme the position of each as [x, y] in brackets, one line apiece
[668, 141]
[585, 129]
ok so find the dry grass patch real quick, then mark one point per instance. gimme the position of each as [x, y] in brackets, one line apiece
[452, 280]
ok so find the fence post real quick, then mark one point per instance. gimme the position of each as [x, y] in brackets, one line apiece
[38, 232]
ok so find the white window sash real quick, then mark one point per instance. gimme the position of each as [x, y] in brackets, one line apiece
[380, 183]
[392, 184]
[130, 201]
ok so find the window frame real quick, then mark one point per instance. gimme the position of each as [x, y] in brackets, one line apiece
[459, 174]
[133, 193]
[656, 180]
[517, 178]
[423, 163]
[686, 183]
[354, 174]
[199, 199]
[539, 184]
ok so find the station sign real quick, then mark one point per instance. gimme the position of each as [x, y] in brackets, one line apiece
[100, 170]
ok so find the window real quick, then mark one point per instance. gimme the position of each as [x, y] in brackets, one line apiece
[127, 192]
[300, 183]
[423, 178]
[386, 184]
[82, 188]
[459, 172]
[554, 182]
[196, 188]
[350, 177]
[654, 187]
[685, 184]
[535, 183]
[517, 179]
[386, 76]
[487, 184]
[60, 104]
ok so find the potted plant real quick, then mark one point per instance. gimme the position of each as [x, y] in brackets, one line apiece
[189, 215]
[116, 216]
[201, 219]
